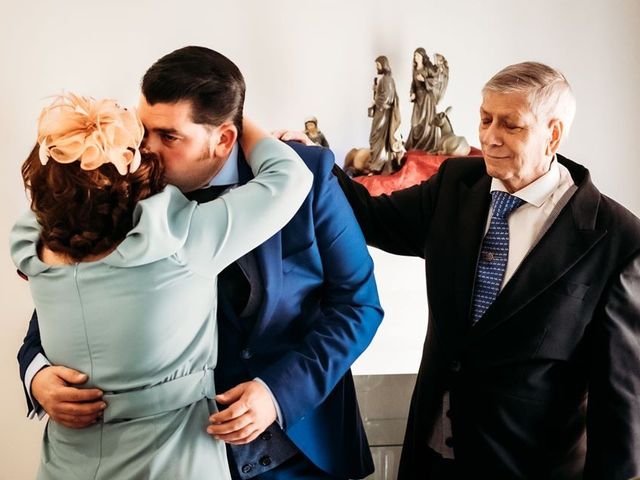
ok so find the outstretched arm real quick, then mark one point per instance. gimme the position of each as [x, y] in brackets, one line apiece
[396, 223]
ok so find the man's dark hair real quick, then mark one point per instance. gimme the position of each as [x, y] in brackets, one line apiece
[209, 80]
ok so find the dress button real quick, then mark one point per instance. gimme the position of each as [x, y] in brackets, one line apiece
[247, 468]
[448, 413]
[455, 366]
[449, 442]
[266, 436]
[265, 461]
[246, 354]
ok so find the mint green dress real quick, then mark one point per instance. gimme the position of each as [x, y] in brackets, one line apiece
[141, 322]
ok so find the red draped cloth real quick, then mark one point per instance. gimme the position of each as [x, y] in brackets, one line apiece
[417, 167]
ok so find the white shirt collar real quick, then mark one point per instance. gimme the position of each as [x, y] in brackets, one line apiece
[537, 192]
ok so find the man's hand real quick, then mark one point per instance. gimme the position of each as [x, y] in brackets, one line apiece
[293, 135]
[250, 411]
[69, 406]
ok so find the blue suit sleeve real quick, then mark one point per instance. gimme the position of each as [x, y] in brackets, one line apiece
[351, 313]
[30, 348]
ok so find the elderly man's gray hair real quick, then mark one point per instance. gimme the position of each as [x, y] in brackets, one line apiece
[548, 90]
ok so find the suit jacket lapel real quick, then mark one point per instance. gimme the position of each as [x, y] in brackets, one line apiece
[474, 201]
[568, 239]
[268, 257]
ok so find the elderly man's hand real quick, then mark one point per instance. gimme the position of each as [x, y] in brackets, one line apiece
[292, 135]
[250, 411]
[70, 406]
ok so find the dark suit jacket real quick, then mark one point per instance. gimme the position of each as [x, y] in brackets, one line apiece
[319, 311]
[547, 383]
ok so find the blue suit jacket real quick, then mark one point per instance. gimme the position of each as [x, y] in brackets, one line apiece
[319, 311]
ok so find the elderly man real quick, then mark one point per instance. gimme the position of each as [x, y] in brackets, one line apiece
[531, 365]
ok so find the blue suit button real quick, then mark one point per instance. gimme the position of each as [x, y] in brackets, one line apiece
[246, 354]
[265, 461]
[266, 436]
[247, 468]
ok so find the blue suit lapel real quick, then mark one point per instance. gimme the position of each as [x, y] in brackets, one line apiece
[268, 257]
[269, 260]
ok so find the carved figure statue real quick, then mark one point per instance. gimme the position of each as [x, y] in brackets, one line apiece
[449, 143]
[315, 135]
[356, 162]
[422, 135]
[386, 148]
[441, 77]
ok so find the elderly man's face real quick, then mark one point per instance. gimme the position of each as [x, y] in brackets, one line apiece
[515, 143]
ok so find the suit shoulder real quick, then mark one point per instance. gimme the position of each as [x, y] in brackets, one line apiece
[621, 221]
[319, 160]
[457, 170]
[464, 166]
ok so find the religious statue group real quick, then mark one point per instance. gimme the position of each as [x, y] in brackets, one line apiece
[430, 131]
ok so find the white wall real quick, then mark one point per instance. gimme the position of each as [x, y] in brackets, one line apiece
[302, 58]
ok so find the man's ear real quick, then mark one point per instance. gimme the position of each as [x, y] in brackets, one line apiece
[223, 141]
[556, 128]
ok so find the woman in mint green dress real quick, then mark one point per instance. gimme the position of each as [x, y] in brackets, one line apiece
[136, 310]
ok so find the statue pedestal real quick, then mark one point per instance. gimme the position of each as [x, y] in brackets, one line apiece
[418, 167]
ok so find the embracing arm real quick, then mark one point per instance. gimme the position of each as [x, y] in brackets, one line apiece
[613, 411]
[223, 230]
[51, 390]
[31, 360]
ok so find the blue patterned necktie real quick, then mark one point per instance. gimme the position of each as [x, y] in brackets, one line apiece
[493, 254]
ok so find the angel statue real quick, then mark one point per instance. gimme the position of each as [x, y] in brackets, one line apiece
[424, 88]
[386, 148]
[442, 77]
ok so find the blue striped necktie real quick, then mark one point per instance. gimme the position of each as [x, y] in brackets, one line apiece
[493, 254]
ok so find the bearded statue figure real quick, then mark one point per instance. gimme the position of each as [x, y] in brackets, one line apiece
[386, 149]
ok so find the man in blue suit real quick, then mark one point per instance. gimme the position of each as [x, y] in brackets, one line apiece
[293, 314]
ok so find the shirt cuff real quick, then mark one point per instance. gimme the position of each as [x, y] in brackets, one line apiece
[37, 364]
[275, 402]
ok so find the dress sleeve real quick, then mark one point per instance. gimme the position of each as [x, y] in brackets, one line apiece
[23, 242]
[225, 229]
